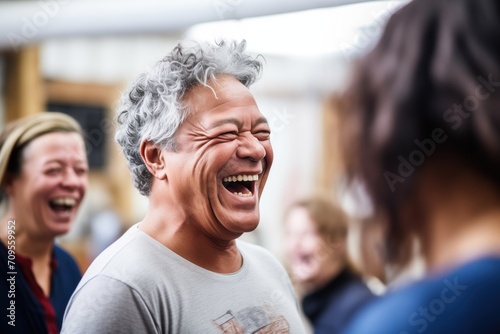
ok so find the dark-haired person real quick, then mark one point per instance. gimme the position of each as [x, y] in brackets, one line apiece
[421, 131]
[199, 148]
[316, 250]
[43, 173]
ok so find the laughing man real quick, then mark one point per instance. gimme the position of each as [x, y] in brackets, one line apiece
[198, 147]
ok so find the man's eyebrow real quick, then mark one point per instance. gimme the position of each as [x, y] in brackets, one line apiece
[260, 120]
[237, 122]
[234, 121]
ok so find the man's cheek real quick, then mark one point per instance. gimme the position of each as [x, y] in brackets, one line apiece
[269, 155]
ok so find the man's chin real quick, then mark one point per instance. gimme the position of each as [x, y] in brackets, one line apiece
[240, 223]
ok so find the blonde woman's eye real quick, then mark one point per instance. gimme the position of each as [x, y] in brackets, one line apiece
[53, 171]
[81, 171]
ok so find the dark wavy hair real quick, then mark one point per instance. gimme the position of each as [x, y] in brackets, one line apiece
[429, 88]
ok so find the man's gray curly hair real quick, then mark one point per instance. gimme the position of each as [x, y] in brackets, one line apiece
[151, 108]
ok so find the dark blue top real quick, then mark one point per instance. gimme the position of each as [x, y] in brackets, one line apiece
[29, 314]
[330, 308]
[464, 300]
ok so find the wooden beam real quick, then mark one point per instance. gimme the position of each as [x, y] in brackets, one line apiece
[82, 93]
[24, 93]
[331, 160]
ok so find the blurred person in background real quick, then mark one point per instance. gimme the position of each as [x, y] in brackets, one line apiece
[43, 173]
[420, 125]
[315, 243]
[198, 146]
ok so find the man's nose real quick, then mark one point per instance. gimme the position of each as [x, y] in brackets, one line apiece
[250, 147]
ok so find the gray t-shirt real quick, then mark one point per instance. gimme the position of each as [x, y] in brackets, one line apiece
[138, 285]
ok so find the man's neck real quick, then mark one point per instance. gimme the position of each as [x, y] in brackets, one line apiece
[186, 239]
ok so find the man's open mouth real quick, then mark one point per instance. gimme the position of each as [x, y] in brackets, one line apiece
[241, 185]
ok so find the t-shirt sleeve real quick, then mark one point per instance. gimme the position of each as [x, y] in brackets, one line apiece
[107, 305]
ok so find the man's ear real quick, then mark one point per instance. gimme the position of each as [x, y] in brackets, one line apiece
[153, 159]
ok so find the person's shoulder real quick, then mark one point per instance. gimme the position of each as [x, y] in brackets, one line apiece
[105, 304]
[436, 304]
[354, 282]
[125, 254]
[484, 268]
[354, 292]
[66, 265]
[63, 255]
[127, 263]
[385, 314]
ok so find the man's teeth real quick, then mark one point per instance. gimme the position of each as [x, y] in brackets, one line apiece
[240, 178]
[243, 195]
[64, 201]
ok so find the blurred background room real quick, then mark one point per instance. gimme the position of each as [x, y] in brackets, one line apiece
[75, 56]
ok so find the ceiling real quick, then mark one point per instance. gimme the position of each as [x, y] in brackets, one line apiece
[24, 22]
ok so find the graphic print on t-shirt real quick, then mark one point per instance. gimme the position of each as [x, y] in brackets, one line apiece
[252, 320]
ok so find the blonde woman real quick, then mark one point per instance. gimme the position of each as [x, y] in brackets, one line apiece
[43, 173]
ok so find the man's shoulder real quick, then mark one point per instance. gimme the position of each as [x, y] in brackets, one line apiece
[129, 254]
[128, 264]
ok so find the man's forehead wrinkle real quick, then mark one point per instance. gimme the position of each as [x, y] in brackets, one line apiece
[198, 128]
[235, 100]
